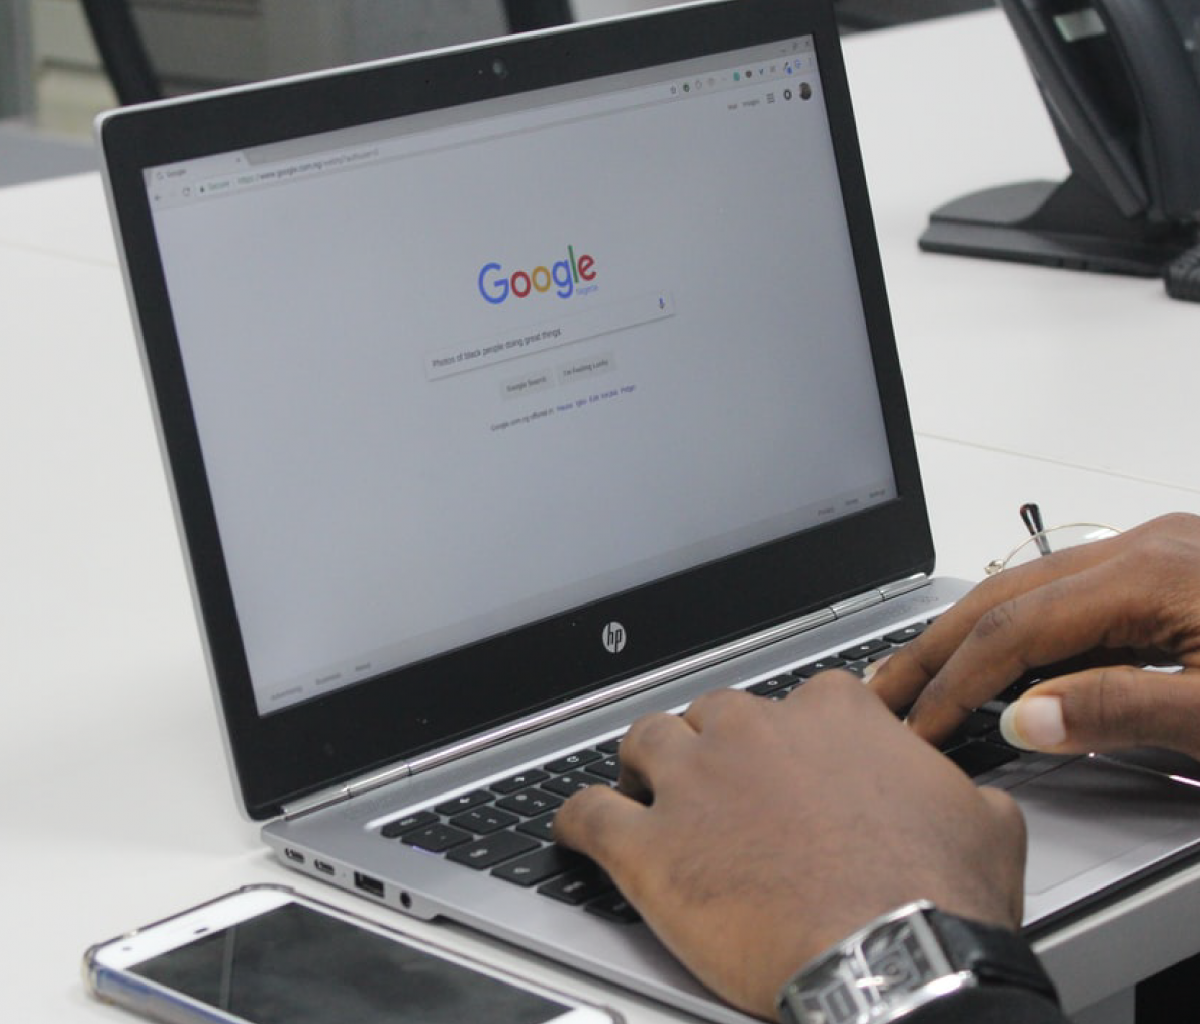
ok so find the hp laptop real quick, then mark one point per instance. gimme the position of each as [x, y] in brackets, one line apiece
[515, 390]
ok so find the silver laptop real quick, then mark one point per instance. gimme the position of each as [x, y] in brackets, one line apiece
[513, 391]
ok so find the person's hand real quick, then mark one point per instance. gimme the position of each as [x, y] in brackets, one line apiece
[753, 835]
[1129, 601]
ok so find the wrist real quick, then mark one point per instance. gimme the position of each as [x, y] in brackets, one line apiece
[904, 960]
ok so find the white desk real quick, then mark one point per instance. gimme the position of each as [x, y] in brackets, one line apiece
[116, 803]
[1074, 368]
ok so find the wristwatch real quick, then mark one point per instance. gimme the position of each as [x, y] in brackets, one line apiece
[903, 960]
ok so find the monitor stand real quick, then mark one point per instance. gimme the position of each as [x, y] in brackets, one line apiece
[1055, 224]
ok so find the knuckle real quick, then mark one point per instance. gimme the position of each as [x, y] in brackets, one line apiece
[645, 731]
[1106, 708]
[1179, 524]
[1166, 550]
[718, 701]
[995, 622]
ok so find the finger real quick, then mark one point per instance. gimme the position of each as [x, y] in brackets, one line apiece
[710, 706]
[650, 743]
[1108, 709]
[835, 685]
[1064, 617]
[900, 678]
[598, 822]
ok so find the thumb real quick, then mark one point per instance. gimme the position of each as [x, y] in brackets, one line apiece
[1107, 709]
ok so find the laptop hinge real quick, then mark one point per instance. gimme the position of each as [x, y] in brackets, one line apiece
[857, 603]
[904, 586]
[347, 791]
[316, 802]
[873, 597]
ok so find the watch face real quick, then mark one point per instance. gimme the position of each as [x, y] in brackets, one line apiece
[832, 996]
[898, 960]
[893, 962]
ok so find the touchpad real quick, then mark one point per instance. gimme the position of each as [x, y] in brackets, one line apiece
[1092, 822]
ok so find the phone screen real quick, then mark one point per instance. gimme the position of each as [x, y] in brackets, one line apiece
[293, 965]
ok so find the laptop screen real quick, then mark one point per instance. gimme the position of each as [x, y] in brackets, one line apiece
[460, 371]
[513, 377]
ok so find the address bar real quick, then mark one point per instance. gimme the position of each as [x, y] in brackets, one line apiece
[381, 142]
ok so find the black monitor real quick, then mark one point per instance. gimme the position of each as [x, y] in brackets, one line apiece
[1121, 80]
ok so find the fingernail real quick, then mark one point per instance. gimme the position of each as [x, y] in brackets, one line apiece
[1034, 723]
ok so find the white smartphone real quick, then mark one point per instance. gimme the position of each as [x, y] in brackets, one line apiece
[268, 955]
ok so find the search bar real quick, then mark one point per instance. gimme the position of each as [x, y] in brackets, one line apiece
[550, 334]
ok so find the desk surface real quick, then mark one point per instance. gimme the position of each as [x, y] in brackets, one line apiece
[1025, 384]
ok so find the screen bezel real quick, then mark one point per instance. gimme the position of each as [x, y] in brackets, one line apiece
[284, 756]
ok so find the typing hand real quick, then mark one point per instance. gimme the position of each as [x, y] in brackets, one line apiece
[1128, 601]
[753, 834]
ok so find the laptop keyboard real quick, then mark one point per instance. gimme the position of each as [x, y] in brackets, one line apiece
[505, 828]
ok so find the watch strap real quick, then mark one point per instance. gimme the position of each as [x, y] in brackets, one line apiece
[996, 956]
[907, 959]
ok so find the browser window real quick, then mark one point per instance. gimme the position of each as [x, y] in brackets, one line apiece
[479, 367]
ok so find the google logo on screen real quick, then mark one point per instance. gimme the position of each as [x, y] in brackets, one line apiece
[561, 277]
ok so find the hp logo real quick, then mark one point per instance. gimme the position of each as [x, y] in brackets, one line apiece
[614, 638]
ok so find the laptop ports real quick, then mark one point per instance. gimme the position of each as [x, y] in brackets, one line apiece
[371, 886]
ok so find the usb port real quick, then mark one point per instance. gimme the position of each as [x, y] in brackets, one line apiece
[325, 869]
[293, 855]
[369, 885]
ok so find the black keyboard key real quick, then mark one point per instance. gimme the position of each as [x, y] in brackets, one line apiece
[906, 633]
[614, 907]
[436, 838]
[484, 820]
[529, 803]
[577, 887]
[977, 725]
[609, 746]
[865, 650]
[1014, 690]
[768, 687]
[529, 777]
[572, 761]
[491, 850]
[397, 828]
[608, 768]
[570, 782]
[540, 828]
[821, 665]
[1036, 675]
[975, 757]
[534, 868]
[464, 802]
